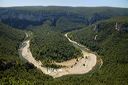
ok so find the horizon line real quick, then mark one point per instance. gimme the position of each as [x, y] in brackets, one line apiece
[59, 6]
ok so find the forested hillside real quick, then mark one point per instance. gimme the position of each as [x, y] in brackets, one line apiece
[48, 45]
[12, 70]
[110, 40]
[10, 40]
[62, 18]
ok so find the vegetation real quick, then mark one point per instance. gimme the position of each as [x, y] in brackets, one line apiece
[47, 45]
[10, 40]
[62, 18]
[108, 38]
[112, 44]
[12, 70]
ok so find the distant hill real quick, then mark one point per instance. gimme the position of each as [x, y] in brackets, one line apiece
[63, 18]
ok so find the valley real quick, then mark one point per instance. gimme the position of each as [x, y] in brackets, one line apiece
[63, 45]
[81, 65]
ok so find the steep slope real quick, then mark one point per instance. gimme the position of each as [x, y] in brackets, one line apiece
[110, 39]
[10, 40]
[63, 18]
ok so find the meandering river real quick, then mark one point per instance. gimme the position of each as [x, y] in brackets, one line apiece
[81, 66]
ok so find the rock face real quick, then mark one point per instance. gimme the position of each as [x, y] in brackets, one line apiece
[96, 28]
[95, 38]
[117, 27]
[23, 17]
[121, 27]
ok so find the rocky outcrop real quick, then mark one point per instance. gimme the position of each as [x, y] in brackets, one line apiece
[121, 27]
[96, 28]
[117, 27]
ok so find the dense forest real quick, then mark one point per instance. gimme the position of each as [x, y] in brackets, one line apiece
[48, 45]
[10, 40]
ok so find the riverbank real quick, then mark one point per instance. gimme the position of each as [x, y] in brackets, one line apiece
[81, 65]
